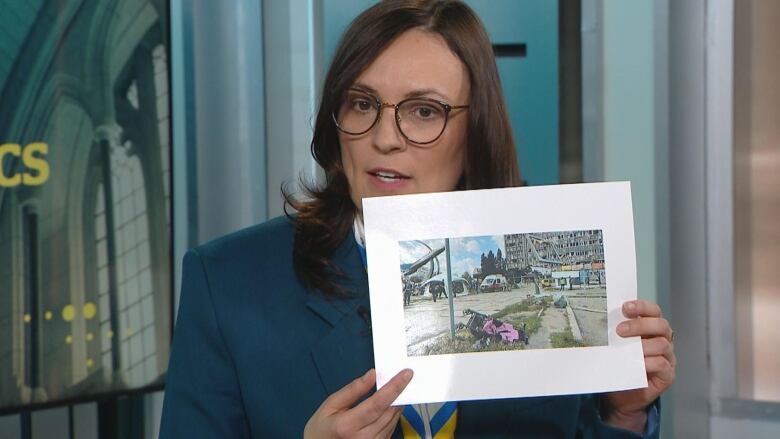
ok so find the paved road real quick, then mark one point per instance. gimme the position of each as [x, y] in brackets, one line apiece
[425, 319]
[553, 320]
[593, 323]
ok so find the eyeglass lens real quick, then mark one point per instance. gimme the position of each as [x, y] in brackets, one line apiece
[420, 120]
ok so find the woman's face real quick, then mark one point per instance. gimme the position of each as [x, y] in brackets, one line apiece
[383, 162]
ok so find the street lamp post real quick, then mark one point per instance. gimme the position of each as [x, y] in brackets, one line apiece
[450, 290]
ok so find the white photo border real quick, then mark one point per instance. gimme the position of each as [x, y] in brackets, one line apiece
[503, 374]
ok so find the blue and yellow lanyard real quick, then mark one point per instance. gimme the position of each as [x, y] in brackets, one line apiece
[425, 421]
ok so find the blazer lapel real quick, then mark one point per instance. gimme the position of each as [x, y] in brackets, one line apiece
[346, 351]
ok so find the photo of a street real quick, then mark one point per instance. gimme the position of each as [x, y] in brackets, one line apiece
[509, 292]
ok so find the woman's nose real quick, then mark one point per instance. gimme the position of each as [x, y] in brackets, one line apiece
[387, 137]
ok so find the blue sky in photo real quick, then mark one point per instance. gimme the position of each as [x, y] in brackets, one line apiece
[466, 251]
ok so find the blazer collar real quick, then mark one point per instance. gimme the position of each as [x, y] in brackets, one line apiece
[346, 257]
[346, 351]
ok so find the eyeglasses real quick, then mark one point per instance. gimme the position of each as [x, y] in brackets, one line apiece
[420, 120]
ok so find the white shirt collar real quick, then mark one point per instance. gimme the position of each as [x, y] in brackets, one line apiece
[360, 232]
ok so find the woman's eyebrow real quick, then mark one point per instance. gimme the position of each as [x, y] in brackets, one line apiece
[365, 88]
[412, 94]
[425, 92]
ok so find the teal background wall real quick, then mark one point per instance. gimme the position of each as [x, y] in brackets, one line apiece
[634, 91]
[631, 80]
[530, 83]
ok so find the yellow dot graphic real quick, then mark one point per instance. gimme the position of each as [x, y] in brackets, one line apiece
[89, 310]
[69, 339]
[68, 313]
[90, 363]
[89, 336]
[48, 315]
[110, 334]
[130, 332]
[27, 318]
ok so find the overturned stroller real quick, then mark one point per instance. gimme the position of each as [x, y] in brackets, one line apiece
[487, 330]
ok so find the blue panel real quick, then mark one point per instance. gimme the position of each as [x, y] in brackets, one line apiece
[10, 426]
[336, 16]
[85, 421]
[50, 423]
[530, 83]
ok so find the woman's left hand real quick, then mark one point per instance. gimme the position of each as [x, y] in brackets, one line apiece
[627, 409]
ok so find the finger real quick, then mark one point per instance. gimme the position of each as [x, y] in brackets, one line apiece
[649, 327]
[374, 429]
[347, 396]
[641, 308]
[374, 406]
[660, 367]
[657, 365]
[388, 429]
[657, 346]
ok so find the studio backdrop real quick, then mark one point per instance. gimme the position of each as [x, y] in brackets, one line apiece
[85, 216]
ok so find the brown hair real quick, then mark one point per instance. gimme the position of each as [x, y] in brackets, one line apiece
[325, 218]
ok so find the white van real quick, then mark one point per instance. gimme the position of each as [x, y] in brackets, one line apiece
[493, 282]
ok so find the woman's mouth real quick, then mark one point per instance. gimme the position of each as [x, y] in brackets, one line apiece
[388, 179]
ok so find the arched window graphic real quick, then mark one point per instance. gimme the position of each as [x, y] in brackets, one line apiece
[103, 289]
[160, 62]
[131, 257]
[133, 156]
[31, 299]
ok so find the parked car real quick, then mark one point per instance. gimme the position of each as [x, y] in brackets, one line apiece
[494, 282]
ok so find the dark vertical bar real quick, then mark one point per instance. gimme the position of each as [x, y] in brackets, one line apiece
[31, 299]
[33, 291]
[190, 167]
[570, 84]
[71, 427]
[130, 417]
[113, 287]
[107, 419]
[108, 422]
[25, 418]
[122, 418]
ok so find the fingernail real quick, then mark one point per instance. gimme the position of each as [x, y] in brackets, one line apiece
[630, 306]
[367, 374]
[624, 327]
[407, 375]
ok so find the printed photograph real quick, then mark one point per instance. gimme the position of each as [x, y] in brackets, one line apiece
[505, 292]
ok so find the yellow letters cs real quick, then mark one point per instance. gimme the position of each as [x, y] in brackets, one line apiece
[33, 159]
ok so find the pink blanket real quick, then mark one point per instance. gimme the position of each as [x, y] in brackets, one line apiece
[507, 332]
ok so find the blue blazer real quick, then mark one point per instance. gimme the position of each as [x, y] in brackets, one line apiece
[255, 352]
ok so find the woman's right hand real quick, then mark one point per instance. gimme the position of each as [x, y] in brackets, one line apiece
[372, 418]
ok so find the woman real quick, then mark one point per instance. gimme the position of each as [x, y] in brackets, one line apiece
[273, 337]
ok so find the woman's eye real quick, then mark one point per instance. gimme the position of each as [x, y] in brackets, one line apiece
[425, 112]
[361, 105]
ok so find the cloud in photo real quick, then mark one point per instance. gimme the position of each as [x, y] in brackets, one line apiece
[464, 265]
[411, 251]
[466, 252]
[499, 241]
